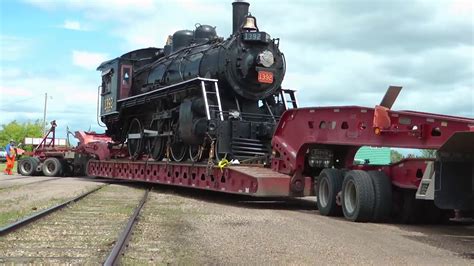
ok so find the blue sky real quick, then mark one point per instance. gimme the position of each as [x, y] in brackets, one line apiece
[339, 52]
[54, 51]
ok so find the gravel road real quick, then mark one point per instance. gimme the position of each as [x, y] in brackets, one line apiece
[189, 228]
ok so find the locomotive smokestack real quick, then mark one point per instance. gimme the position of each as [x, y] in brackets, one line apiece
[240, 9]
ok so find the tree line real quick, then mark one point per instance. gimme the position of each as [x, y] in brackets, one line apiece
[18, 131]
[396, 156]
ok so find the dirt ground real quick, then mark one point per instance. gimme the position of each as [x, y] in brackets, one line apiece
[188, 228]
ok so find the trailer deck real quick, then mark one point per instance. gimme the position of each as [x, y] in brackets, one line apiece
[249, 180]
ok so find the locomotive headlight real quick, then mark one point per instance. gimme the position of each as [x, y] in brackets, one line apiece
[266, 59]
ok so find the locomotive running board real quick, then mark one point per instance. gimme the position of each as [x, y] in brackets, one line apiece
[248, 180]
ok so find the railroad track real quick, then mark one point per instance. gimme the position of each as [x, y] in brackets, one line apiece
[84, 233]
[35, 216]
[116, 252]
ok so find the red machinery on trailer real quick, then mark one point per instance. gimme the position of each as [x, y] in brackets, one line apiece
[49, 159]
[313, 154]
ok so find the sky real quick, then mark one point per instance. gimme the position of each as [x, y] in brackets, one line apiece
[338, 52]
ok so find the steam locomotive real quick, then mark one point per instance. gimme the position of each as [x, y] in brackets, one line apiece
[198, 93]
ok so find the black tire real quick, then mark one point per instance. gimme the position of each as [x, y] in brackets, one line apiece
[27, 166]
[358, 196]
[38, 170]
[383, 195]
[329, 183]
[52, 167]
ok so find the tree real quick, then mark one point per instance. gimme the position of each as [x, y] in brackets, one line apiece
[18, 131]
[395, 156]
[428, 154]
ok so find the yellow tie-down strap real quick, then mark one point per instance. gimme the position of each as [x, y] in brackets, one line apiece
[223, 163]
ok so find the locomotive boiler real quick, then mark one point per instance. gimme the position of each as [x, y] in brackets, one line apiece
[198, 93]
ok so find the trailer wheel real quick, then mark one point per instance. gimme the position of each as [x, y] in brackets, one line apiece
[358, 196]
[52, 167]
[39, 166]
[329, 183]
[27, 166]
[383, 195]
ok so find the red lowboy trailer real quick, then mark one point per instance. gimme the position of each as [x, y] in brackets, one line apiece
[313, 154]
[317, 146]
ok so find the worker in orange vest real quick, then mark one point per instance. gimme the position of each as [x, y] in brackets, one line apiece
[11, 154]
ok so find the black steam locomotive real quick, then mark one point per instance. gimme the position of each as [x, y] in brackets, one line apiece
[199, 93]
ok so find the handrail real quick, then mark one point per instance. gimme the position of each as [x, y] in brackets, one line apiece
[168, 87]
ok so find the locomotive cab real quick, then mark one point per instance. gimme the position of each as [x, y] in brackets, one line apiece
[117, 77]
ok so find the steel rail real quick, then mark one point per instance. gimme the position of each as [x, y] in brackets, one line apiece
[121, 243]
[18, 224]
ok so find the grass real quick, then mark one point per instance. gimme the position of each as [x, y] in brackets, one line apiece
[7, 217]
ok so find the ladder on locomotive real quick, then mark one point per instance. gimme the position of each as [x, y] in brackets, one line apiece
[210, 93]
[292, 100]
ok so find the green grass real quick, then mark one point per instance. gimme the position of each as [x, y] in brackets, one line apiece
[7, 217]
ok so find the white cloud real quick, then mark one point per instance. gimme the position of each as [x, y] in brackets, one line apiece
[88, 60]
[71, 100]
[338, 52]
[73, 25]
[137, 21]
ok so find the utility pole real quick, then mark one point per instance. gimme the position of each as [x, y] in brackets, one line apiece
[44, 114]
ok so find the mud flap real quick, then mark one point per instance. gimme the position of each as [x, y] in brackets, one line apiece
[454, 173]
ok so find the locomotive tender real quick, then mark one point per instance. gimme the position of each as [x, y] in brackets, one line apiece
[199, 92]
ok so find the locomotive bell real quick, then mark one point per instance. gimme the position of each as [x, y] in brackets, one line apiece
[250, 23]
